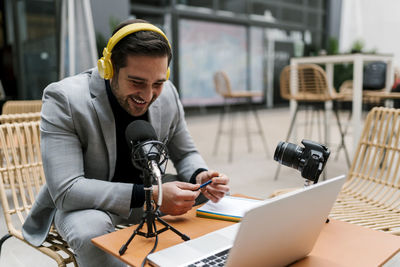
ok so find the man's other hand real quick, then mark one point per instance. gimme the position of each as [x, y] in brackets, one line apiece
[218, 187]
[178, 197]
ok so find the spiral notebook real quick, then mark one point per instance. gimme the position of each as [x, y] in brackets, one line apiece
[229, 208]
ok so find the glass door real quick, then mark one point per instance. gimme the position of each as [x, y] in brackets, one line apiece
[35, 40]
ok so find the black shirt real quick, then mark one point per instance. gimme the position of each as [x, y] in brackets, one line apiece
[125, 172]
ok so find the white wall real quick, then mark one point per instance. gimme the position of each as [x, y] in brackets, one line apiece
[376, 22]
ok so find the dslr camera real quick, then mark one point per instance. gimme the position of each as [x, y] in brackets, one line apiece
[310, 160]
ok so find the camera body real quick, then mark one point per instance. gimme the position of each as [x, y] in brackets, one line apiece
[310, 160]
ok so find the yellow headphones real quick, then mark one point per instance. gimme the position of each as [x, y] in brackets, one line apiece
[104, 64]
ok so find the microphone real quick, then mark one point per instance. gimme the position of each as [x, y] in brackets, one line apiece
[147, 153]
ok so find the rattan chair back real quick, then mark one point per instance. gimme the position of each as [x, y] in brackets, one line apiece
[21, 177]
[371, 196]
[19, 117]
[21, 106]
[310, 83]
[11, 118]
[222, 84]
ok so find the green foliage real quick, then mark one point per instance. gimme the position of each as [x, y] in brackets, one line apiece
[113, 22]
[310, 50]
[357, 46]
[343, 72]
[333, 46]
[101, 41]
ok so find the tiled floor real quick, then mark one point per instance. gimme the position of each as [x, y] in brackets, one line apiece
[251, 173]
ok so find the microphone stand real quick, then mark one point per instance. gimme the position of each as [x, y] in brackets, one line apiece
[151, 214]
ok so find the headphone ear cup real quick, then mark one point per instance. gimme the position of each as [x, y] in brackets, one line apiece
[168, 73]
[100, 67]
[108, 69]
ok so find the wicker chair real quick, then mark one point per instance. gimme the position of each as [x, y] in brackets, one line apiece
[11, 118]
[371, 196]
[21, 106]
[369, 97]
[312, 88]
[372, 97]
[21, 177]
[223, 88]
[20, 117]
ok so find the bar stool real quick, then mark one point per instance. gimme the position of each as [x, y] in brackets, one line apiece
[223, 88]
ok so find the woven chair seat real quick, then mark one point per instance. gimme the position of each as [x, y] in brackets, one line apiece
[242, 94]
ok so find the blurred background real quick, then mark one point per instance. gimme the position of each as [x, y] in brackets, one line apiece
[251, 41]
[42, 41]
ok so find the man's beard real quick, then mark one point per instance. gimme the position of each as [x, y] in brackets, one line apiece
[123, 101]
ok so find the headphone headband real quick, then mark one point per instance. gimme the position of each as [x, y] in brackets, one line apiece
[104, 64]
[132, 28]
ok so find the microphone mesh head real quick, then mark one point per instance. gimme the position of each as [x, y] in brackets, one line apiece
[139, 131]
[144, 146]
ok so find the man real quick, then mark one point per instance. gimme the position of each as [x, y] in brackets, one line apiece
[91, 183]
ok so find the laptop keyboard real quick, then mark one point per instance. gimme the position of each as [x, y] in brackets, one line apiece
[217, 259]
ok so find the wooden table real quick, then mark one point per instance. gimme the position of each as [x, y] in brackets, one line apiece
[339, 244]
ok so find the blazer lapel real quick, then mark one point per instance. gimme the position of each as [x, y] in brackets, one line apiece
[106, 118]
[155, 117]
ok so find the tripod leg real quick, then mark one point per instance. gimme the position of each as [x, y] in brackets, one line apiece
[307, 118]
[247, 127]
[232, 134]
[183, 236]
[219, 132]
[260, 131]
[342, 136]
[125, 246]
[287, 138]
[345, 130]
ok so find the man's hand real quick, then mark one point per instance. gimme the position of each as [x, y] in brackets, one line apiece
[218, 187]
[178, 197]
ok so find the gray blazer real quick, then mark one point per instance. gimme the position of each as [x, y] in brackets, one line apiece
[78, 146]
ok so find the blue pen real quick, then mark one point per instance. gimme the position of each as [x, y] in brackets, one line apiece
[205, 184]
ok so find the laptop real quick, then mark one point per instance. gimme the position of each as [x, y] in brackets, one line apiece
[280, 231]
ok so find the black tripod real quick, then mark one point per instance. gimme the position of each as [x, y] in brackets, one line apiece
[150, 215]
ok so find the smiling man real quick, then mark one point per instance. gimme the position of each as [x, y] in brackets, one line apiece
[91, 184]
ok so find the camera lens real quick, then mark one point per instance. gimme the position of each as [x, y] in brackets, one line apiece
[288, 154]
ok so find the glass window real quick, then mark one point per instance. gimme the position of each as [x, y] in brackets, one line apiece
[155, 19]
[256, 59]
[1, 29]
[292, 15]
[236, 6]
[38, 43]
[314, 20]
[263, 9]
[315, 3]
[207, 47]
[158, 3]
[197, 3]
[297, 2]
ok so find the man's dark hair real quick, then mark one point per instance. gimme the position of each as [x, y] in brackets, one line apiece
[140, 43]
